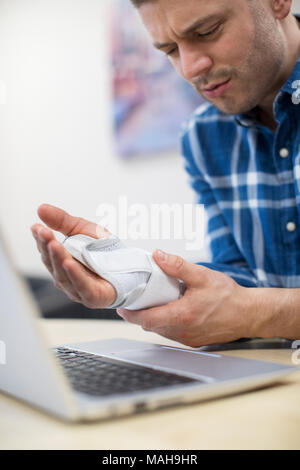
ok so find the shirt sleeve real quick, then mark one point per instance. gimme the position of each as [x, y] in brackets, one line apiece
[224, 253]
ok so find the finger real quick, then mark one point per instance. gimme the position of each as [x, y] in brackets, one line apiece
[172, 321]
[179, 268]
[43, 237]
[157, 325]
[61, 221]
[58, 255]
[34, 234]
[94, 291]
[156, 318]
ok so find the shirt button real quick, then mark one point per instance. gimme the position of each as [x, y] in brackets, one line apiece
[284, 153]
[291, 226]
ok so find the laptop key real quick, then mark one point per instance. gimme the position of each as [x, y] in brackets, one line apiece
[101, 376]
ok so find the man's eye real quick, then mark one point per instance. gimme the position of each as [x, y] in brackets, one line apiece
[209, 33]
[171, 51]
[198, 35]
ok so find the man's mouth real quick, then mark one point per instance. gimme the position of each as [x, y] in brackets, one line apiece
[214, 91]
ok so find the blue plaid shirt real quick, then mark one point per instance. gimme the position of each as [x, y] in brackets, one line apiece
[248, 179]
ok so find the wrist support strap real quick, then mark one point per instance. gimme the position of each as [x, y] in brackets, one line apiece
[137, 279]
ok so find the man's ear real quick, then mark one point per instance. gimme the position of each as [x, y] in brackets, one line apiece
[281, 8]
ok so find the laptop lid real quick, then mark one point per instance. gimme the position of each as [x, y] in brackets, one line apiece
[27, 368]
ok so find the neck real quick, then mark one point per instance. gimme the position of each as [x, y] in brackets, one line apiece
[265, 109]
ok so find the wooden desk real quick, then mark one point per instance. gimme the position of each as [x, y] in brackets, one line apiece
[262, 419]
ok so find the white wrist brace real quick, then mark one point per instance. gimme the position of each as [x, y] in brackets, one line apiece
[137, 279]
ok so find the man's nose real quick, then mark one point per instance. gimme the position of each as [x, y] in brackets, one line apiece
[194, 63]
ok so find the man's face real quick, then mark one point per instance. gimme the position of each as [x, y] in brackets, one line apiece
[238, 42]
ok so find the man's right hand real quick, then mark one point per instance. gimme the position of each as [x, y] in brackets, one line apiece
[79, 283]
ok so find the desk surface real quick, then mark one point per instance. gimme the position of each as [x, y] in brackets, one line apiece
[261, 419]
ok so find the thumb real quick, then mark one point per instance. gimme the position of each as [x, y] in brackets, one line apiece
[176, 266]
[59, 220]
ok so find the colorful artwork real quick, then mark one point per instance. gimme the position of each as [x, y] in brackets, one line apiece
[150, 99]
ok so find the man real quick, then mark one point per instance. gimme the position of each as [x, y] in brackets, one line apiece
[242, 152]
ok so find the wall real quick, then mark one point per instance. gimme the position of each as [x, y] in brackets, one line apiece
[296, 6]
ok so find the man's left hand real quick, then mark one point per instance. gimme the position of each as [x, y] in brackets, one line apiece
[213, 310]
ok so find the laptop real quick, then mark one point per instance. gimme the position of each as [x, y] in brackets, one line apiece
[105, 379]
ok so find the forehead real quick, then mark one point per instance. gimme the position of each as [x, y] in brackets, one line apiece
[162, 17]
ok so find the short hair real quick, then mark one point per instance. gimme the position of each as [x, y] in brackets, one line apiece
[138, 3]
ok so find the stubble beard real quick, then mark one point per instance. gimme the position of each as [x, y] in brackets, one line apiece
[259, 73]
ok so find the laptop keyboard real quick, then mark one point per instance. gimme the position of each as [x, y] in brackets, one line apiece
[100, 376]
